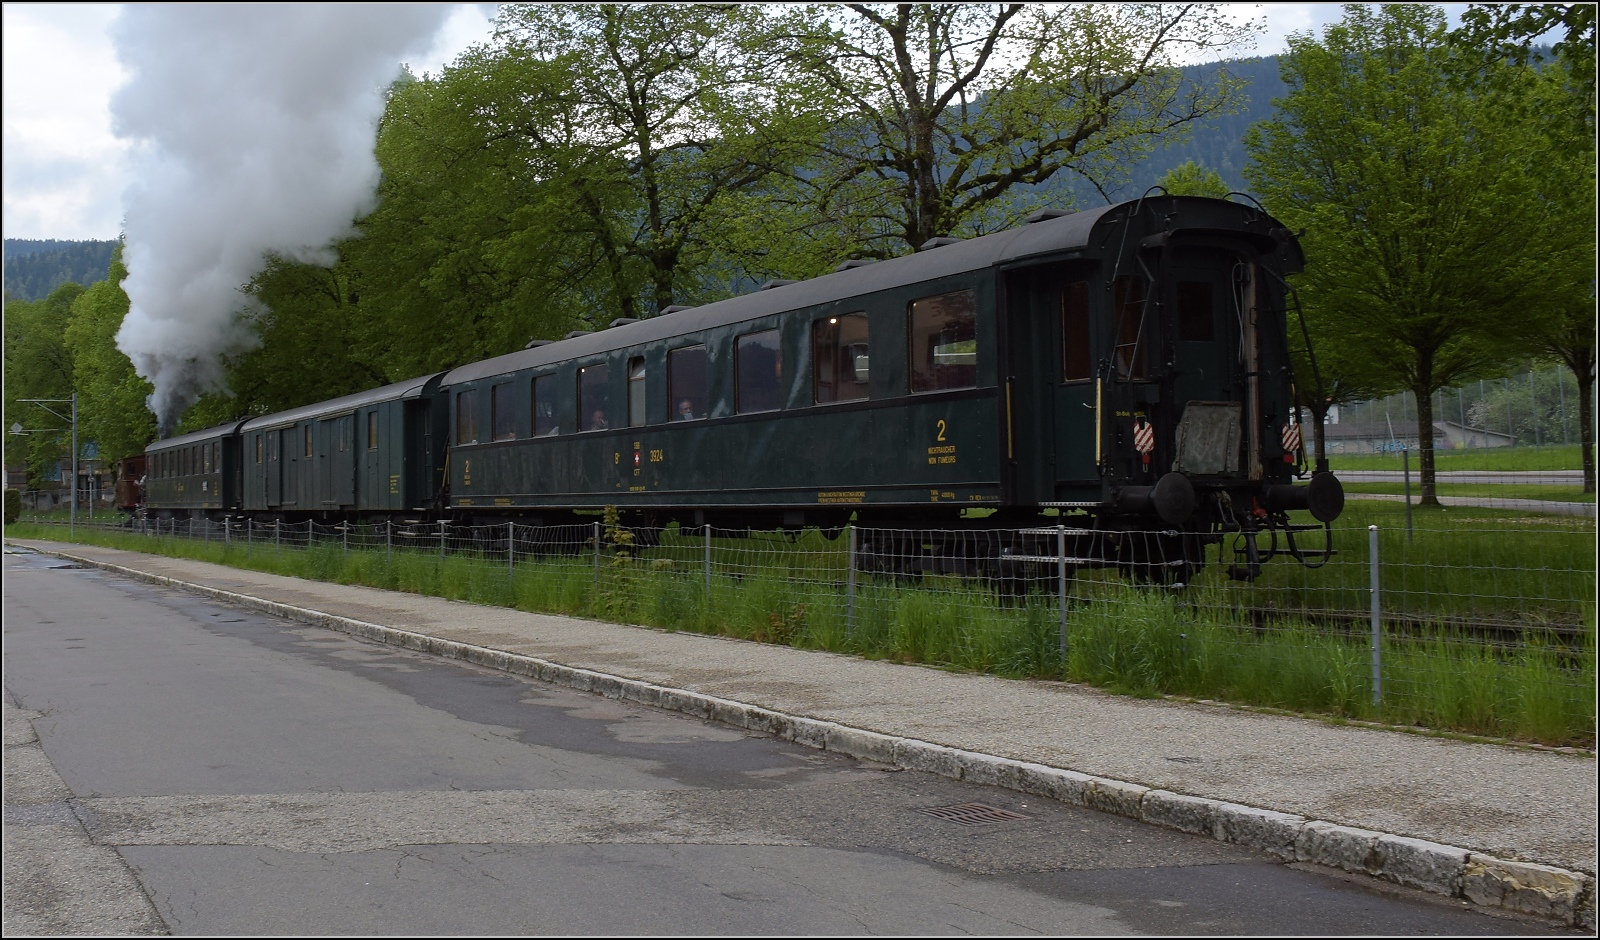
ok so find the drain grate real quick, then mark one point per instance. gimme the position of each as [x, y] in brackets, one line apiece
[972, 814]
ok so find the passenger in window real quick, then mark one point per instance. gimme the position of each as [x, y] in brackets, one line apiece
[686, 410]
[597, 421]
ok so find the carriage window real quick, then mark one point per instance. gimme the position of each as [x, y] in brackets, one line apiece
[1196, 322]
[502, 415]
[944, 342]
[308, 440]
[839, 358]
[467, 417]
[544, 406]
[594, 412]
[636, 392]
[205, 458]
[758, 372]
[258, 448]
[1132, 345]
[686, 381]
[372, 431]
[1075, 356]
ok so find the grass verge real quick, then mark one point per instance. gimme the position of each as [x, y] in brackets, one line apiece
[1141, 641]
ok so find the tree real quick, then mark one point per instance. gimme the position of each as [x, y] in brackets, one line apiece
[1508, 30]
[650, 115]
[112, 409]
[39, 365]
[1416, 196]
[1191, 179]
[940, 114]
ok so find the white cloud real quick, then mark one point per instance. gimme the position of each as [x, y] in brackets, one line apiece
[64, 171]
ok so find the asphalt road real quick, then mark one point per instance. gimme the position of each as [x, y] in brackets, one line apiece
[172, 764]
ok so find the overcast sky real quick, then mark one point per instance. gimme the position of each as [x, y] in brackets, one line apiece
[64, 171]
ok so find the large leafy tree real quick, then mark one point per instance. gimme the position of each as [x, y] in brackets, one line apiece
[940, 113]
[112, 409]
[1562, 114]
[648, 117]
[1416, 194]
[38, 365]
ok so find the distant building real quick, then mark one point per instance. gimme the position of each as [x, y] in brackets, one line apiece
[1460, 435]
[1380, 438]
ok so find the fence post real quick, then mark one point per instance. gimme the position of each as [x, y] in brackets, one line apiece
[344, 536]
[1377, 658]
[597, 553]
[442, 524]
[850, 603]
[227, 531]
[1405, 463]
[388, 539]
[511, 549]
[1061, 590]
[277, 535]
[248, 525]
[708, 566]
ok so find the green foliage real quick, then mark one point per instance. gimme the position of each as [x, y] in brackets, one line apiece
[1424, 229]
[1191, 179]
[39, 365]
[13, 507]
[111, 396]
[939, 114]
[35, 267]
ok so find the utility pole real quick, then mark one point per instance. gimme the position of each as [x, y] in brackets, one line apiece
[45, 403]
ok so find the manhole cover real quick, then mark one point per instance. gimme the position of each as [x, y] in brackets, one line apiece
[972, 814]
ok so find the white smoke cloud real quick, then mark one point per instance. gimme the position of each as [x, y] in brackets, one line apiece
[253, 130]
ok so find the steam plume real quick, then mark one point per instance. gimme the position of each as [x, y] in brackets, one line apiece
[253, 131]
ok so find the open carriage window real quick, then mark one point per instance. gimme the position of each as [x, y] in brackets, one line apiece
[503, 415]
[943, 333]
[839, 358]
[544, 406]
[687, 380]
[758, 372]
[594, 405]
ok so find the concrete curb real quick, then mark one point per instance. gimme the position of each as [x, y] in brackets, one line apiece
[1553, 894]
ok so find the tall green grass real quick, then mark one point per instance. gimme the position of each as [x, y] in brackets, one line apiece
[1135, 640]
[1552, 457]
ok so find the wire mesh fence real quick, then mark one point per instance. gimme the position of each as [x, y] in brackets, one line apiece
[1482, 624]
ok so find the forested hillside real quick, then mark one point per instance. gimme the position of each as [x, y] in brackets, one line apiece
[35, 267]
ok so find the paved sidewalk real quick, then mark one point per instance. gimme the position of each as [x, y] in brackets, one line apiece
[1506, 801]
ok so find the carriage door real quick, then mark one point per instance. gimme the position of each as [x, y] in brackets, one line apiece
[1049, 366]
[343, 459]
[274, 471]
[1208, 329]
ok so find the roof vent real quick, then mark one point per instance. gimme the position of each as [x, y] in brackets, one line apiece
[1045, 215]
[577, 333]
[940, 243]
[536, 343]
[622, 321]
[855, 263]
[674, 308]
[776, 282]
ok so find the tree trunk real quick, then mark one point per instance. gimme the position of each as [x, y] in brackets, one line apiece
[1580, 358]
[1424, 398]
[1586, 433]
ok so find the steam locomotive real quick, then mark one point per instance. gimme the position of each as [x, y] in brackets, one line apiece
[1117, 380]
